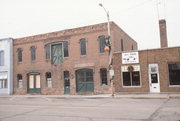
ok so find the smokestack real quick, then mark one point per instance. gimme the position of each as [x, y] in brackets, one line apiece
[163, 33]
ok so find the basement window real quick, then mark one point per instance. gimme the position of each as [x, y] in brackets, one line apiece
[174, 72]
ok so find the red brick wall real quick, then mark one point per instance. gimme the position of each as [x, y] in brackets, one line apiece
[93, 60]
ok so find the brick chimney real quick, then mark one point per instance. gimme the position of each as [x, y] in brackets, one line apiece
[163, 33]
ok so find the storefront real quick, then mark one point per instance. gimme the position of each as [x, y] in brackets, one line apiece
[147, 71]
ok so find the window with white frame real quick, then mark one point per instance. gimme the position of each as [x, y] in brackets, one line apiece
[19, 79]
[131, 75]
[3, 83]
[48, 80]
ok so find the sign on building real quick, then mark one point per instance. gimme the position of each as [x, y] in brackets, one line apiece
[130, 57]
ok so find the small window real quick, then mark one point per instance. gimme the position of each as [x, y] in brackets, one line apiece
[66, 78]
[3, 83]
[132, 47]
[1, 58]
[66, 52]
[131, 78]
[47, 50]
[19, 79]
[48, 80]
[122, 45]
[103, 74]
[174, 73]
[83, 46]
[102, 42]
[33, 53]
[19, 52]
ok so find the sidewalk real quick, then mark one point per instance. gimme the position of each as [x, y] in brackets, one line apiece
[118, 96]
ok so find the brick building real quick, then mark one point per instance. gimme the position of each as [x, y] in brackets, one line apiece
[153, 70]
[67, 62]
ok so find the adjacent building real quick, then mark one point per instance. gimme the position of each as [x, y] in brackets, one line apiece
[6, 66]
[148, 71]
[71, 61]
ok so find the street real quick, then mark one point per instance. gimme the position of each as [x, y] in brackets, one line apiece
[88, 109]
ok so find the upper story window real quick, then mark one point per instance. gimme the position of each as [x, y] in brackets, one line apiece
[174, 72]
[65, 46]
[83, 46]
[122, 45]
[1, 58]
[19, 54]
[33, 53]
[102, 42]
[48, 50]
[132, 47]
[57, 53]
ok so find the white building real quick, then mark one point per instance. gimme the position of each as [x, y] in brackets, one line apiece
[6, 66]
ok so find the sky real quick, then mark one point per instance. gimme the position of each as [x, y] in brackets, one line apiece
[138, 18]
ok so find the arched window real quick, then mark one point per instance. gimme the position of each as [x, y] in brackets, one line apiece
[83, 46]
[33, 53]
[19, 54]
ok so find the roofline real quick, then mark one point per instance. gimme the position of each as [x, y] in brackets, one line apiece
[6, 38]
[66, 30]
[146, 49]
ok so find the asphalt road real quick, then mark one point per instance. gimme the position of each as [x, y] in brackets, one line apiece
[86, 109]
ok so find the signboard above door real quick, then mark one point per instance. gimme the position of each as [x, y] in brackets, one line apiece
[130, 57]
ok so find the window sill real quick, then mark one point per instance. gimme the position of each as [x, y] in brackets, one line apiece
[101, 54]
[33, 61]
[131, 86]
[83, 56]
[171, 86]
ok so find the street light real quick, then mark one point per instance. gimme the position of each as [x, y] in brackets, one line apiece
[107, 13]
[111, 71]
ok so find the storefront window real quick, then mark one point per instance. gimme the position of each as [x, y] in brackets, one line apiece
[131, 75]
[174, 72]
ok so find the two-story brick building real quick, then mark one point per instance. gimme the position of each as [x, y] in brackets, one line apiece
[70, 61]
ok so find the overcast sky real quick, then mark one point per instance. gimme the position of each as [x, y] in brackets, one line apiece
[138, 18]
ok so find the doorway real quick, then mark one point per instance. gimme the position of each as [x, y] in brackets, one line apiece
[154, 78]
[34, 83]
[84, 80]
[66, 82]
